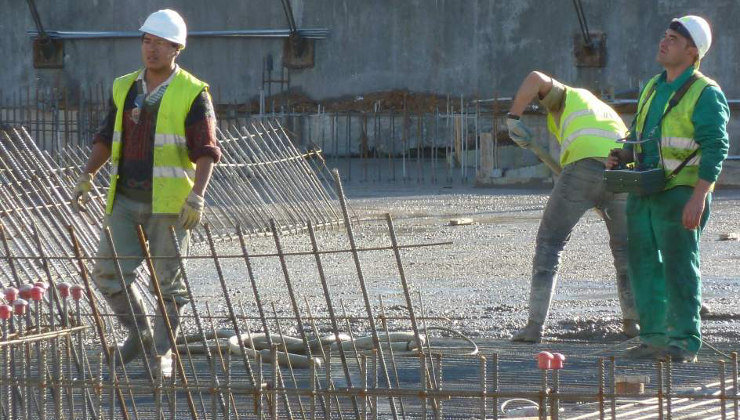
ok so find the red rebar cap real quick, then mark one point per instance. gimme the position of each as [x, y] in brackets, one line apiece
[11, 294]
[544, 359]
[557, 361]
[41, 284]
[77, 291]
[19, 306]
[25, 291]
[37, 293]
[63, 290]
[5, 311]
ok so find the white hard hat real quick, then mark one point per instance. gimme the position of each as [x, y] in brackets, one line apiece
[698, 29]
[167, 24]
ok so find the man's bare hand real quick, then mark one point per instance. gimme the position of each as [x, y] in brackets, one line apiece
[693, 211]
[618, 157]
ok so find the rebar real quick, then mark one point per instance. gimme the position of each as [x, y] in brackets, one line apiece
[361, 279]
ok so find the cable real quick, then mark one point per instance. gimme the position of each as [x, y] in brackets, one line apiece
[582, 21]
[288, 15]
[36, 19]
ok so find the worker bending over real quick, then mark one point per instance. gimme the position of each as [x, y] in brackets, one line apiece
[586, 129]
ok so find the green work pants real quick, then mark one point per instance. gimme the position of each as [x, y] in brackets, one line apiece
[664, 268]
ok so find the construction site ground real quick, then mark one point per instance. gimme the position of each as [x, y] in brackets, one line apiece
[478, 286]
[481, 280]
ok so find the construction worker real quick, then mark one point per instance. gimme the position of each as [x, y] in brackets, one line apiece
[586, 129]
[159, 136]
[686, 115]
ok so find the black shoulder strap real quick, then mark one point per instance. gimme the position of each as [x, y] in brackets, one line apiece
[684, 163]
[681, 92]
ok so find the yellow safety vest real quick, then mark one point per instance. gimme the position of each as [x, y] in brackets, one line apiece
[677, 130]
[588, 127]
[173, 174]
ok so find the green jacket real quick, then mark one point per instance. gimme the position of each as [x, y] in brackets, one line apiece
[709, 118]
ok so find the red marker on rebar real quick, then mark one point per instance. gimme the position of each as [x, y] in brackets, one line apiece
[63, 289]
[6, 311]
[11, 294]
[25, 291]
[41, 284]
[20, 306]
[558, 360]
[37, 293]
[544, 360]
[77, 291]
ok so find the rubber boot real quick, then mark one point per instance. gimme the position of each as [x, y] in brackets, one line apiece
[540, 296]
[130, 349]
[531, 333]
[643, 351]
[630, 328]
[161, 362]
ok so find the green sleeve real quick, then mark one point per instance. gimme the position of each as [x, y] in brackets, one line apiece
[710, 131]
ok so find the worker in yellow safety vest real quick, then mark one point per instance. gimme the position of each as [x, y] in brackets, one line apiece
[681, 129]
[160, 138]
[586, 129]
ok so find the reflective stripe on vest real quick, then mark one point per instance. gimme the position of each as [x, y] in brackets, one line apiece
[173, 173]
[595, 132]
[588, 127]
[161, 139]
[677, 130]
[672, 164]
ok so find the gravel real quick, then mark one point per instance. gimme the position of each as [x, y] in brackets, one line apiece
[480, 282]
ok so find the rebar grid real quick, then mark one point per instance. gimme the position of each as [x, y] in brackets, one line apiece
[468, 383]
[388, 367]
[475, 385]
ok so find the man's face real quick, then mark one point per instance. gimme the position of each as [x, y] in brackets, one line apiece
[675, 50]
[158, 53]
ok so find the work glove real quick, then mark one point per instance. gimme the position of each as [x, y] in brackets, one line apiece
[192, 211]
[519, 132]
[81, 194]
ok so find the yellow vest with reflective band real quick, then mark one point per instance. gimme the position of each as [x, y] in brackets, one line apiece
[173, 173]
[677, 131]
[588, 127]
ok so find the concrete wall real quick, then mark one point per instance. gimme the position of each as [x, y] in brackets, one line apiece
[471, 47]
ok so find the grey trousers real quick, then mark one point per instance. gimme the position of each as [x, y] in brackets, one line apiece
[127, 214]
[579, 188]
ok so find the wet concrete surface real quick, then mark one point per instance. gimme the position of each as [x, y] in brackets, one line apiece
[480, 282]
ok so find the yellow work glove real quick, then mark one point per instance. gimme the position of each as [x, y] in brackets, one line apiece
[81, 194]
[192, 211]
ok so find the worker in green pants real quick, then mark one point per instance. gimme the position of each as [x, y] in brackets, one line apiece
[680, 126]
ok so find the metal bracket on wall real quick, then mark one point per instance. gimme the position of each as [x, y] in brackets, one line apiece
[298, 52]
[48, 53]
[591, 54]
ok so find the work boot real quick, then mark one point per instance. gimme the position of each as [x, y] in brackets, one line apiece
[630, 328]
[531, 333]
[679, 355]
[161, 361]
[643, 351]
[130, 349]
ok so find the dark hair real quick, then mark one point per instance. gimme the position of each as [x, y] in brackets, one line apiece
[174, 44]
[678, 27]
